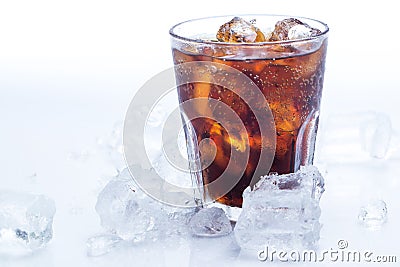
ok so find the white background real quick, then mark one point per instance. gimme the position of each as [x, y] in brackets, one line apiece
[68, 70]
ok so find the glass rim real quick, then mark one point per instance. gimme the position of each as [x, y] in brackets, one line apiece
[210, 42]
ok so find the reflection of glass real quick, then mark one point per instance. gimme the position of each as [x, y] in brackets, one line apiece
[289, 75]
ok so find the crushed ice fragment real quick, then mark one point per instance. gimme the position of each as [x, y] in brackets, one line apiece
[25, 222]
[210, 222]
[102, 244]
[282, 211]
[239, 30]
[374, 214]
[292, 29]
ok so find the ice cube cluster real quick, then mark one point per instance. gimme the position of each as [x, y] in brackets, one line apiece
[239, 30]
[130, 216]
[282, 211]
[128, 212]
[25, 222]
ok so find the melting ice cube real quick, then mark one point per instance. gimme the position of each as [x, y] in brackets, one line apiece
[25, 222]
[124, 210]
[282, 211]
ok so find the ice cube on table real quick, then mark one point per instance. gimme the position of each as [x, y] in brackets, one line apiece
[125, 211]
[282, 211]
[374, 214]
[210, 222]
[25, 222]
[129, 213]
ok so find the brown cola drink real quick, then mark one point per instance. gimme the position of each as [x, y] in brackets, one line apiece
[289, 73]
